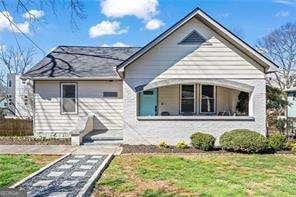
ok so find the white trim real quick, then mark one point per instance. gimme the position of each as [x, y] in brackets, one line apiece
[194, 98]
[196, 118]
[200, 99]
[76, 98]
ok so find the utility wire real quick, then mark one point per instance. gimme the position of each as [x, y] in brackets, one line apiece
[26, 36]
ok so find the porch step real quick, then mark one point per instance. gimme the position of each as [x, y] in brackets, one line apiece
[104, 137]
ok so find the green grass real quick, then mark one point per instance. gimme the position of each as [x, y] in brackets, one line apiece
[157, 193]
[204, 175]
[15, 167]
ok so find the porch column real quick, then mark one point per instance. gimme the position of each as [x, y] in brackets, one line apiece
[251, 103]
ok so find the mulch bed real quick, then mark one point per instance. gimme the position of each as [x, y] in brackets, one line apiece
[155, 149]
[30, 140]
[130, 149]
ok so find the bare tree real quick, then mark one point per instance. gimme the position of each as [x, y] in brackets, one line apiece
[16, 60]
[72, 9]
[280, 46]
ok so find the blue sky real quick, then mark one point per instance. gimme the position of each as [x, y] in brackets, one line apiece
[135, 24]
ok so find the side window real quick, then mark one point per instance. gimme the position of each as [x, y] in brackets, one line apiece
[110, 94]
[68, 98]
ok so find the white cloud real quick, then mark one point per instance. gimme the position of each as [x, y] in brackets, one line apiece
[117, 44]
[106, 28]
[287, 2]
[227, 14]
[35, 14]
[6, 25]
[142, 9]
[154, 24]
[282, 14]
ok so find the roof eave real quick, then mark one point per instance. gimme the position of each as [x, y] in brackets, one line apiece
[74, 78]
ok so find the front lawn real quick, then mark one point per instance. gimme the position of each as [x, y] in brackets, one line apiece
[203, 174]
[13, 168]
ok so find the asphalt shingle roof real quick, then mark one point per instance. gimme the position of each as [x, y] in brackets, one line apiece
[81, 62]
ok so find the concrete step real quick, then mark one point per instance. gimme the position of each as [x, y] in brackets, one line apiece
[104, 135]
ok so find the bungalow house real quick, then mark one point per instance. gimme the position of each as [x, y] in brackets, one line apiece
[196, 76]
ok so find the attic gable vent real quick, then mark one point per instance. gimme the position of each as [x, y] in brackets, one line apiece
[193, 38]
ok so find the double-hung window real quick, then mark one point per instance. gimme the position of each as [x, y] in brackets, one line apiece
[207, 99]
[187, 99]
[68, 98]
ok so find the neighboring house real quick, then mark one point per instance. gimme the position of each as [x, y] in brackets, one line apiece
[19, 96]
[196, 76]
[291, 94]
[3, 103]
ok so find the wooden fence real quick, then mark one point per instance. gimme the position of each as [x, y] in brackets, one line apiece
[16, 127]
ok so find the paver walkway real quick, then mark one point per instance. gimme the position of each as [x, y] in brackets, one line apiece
[65, 178]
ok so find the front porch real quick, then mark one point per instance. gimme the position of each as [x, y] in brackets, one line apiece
[195, 101]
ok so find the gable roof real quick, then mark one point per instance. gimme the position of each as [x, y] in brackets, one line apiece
[70, 62]
[216, 27]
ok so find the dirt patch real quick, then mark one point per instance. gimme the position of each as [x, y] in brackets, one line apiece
[155, 149]
[43, 160]
[30, 140]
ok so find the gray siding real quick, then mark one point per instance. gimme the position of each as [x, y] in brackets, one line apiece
[48, 119]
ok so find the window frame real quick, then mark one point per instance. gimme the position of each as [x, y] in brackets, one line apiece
[200, 99]
[194, 98]
[61, 98]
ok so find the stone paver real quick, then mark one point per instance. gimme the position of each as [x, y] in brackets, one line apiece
[42, 183]
[78, 173]
[73, 161]
[65, 166]
[55, 174]
[92, 161]
[86, 167]
[63, 178]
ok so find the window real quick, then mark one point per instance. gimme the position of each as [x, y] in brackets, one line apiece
[207, 99]
[9, 83]
[187, 99]
[294, 97]
[24, 82]
[110, 94]
[69, 98]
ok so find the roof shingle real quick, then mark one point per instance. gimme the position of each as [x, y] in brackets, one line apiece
[81, 62]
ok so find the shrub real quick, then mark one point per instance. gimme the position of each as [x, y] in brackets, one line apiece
[277, 141]
[202, 141]
[244, 140]
[163, 145]
[293, 149]
[181, 145]
[289, 144]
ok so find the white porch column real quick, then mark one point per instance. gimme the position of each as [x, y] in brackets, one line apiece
[251, 103]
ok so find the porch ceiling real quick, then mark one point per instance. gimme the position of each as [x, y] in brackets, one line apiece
[217, 82]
